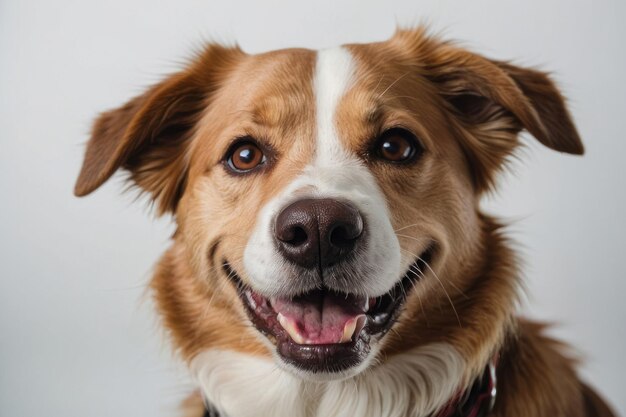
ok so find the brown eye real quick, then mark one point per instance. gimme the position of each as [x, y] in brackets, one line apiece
[397, 145]
[245, 156]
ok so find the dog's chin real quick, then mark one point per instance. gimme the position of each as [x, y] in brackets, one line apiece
[324, 334]
[326, 375]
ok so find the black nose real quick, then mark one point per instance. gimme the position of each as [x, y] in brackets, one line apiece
[318, 232]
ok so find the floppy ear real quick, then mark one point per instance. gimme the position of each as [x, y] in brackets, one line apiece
[149, 135]
[493, 101]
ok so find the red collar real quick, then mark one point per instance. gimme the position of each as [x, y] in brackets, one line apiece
[475, 401]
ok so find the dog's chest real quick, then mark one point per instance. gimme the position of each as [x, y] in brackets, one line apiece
[413, 384]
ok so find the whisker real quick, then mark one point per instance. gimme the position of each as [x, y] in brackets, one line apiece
[412, 237]
[461, 292]
[406, 227]
[420, 275]
[458, 319]
[392, 84]
[440, 283]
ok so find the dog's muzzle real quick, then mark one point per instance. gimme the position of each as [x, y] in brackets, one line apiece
[322, 314]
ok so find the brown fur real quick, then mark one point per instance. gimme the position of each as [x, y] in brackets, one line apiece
[537, 378]
[466, 109]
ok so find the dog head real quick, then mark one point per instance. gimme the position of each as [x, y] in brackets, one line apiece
[325, 198]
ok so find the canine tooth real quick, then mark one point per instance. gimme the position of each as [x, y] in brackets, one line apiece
[350, 328]
[290, 327]
[348, 331]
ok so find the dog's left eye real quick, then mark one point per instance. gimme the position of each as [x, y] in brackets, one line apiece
[397, 145]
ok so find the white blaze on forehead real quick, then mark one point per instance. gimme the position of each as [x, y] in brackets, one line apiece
[334, 73]
[334, 172]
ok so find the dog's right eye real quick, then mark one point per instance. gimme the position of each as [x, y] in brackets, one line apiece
[244, 156]
[397, 145]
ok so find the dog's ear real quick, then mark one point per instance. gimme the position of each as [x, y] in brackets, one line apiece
[149, 135]
[493, 101]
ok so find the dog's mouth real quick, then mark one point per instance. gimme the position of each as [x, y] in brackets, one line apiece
[324, 330]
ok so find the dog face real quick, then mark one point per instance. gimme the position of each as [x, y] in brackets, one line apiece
[325, 198]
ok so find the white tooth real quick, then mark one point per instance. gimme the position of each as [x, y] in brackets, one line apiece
[348, 331]
[350, 327]
[290, 327]
[366, 308]
[251, 299]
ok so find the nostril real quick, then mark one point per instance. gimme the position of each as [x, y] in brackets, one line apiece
[298, 236]
[292, 235]
[344, 235]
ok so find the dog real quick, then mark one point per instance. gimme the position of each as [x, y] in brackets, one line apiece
[330, 256]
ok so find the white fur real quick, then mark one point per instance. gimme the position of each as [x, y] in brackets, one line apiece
[334, 75]
[413, 384]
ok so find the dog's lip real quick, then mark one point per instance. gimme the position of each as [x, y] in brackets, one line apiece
[332, 357]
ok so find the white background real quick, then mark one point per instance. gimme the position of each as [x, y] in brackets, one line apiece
[75, 337]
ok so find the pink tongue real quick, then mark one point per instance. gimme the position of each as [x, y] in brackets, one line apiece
[320, 317]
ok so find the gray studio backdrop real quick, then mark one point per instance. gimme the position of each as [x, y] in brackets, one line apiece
[77, 333]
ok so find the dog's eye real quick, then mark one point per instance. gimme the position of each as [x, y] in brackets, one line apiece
[397, 145]
[245, 156]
